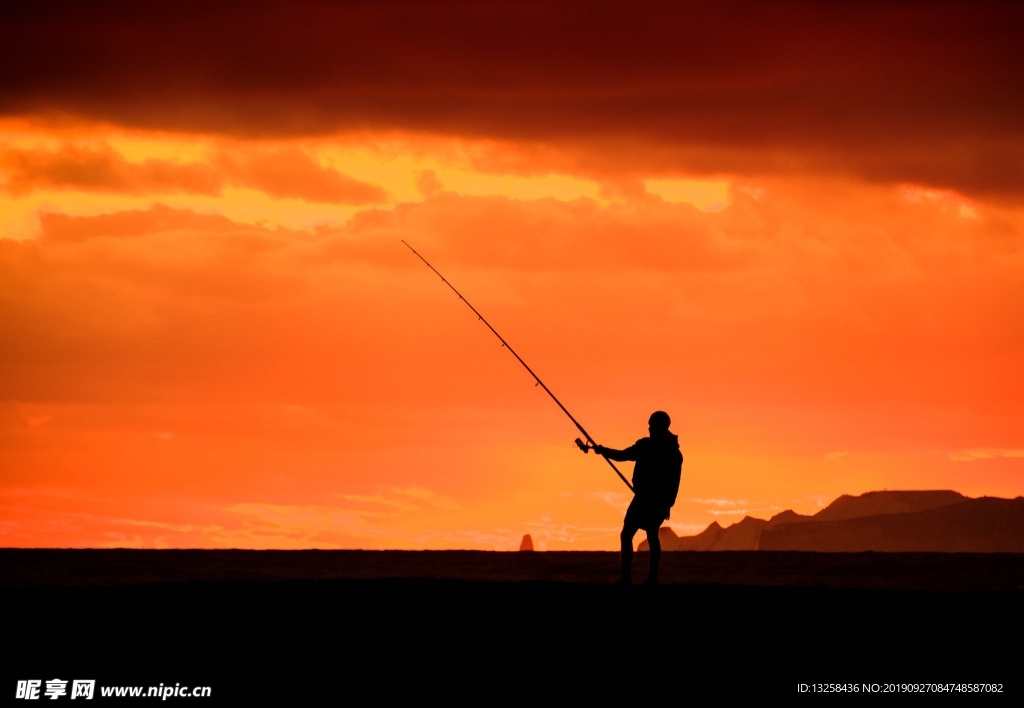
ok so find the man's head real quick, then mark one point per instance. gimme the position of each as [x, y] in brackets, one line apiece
[659, 422]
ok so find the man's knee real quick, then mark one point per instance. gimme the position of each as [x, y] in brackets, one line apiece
[653, 537]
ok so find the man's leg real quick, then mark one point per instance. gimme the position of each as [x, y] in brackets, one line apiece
[654, 542]
[626, 553]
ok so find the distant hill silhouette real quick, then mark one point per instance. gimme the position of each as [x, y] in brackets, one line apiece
[879, 503]
[899, 521]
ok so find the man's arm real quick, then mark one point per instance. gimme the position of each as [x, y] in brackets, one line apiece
[618, 455]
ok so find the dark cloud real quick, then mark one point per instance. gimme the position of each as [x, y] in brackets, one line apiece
[909, 91]
[125, 224]
[102, 170]
[289, 173]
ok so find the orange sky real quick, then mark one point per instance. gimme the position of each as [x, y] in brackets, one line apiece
[796, 229]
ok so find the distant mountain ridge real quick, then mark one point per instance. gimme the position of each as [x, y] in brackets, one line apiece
[894, 521]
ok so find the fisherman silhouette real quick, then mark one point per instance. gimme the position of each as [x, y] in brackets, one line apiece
[656, 475]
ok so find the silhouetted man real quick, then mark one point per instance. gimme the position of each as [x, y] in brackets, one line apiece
[659, 465]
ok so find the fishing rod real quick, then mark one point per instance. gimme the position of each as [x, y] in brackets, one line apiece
[536, 378]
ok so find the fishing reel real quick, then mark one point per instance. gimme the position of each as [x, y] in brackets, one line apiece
[583, 446]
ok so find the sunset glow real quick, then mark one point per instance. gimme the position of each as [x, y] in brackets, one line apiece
[213, 336]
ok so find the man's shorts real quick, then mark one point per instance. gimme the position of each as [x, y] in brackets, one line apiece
[644, 514]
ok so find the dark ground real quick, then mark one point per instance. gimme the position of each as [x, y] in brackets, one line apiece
[462, 627]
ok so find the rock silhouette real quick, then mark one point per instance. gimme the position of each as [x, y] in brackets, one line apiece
[894, 521]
